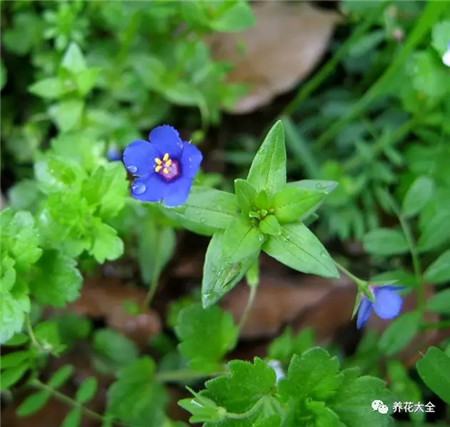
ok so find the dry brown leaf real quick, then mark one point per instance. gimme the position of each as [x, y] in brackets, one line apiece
[280, 300]
[286, 43]
[105, 298]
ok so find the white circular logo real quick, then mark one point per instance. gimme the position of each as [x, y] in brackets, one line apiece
[379, 406]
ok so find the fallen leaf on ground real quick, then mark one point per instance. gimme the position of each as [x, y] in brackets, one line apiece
[283, 47]
[282, 299]
[107, 298]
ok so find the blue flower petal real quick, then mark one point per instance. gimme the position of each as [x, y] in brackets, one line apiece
[191, 159]
[364, 311]
[177, 192]
[388, 303]
[166, 139]
[139, 158]
[149, 189]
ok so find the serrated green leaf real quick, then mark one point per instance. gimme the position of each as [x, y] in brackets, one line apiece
[352, 401]
[206, 335]
[136, 398]
[298, 248]
[385, 241]
[12, 314]
[286, 345]
[206, 210]
[432, 368]
[107, 190]
[417, 196]
[314, 375]
[202, 409]
[87, 390]
[268, 169]
[294, 203]
[20, 237]
[107, 244]
[33, 403]
[242, 386]
[399, 333]
[439, 270]
[440, 302]
[56, 280]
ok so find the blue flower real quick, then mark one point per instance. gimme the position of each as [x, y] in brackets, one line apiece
[163, 168]
[387, 305]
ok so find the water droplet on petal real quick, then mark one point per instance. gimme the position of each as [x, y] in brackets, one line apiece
[132, 169]
[139, 188]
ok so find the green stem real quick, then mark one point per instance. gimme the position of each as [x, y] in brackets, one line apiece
[431, 13]
[66, 399]
[378, 147]
[30, 331]
[359, 282]
[444, 324]
[150, 293]
[330, 66]
[248, 307]
[248, 413]
[421, 298]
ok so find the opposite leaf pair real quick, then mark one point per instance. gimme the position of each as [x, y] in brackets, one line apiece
[265, 214]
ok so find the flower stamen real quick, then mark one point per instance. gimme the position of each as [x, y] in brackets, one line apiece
[167, 167]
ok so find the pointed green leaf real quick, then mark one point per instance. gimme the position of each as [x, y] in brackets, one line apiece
[399, 333]
[385, 241]
[298, 248]
[241, 240]
[294, 203]
[245, 194]
[207, 210]
[433, 368]
[33, 403]
[439, 270]
[270, 225]
[324, 186]
[219, 274]
[440, 302]
[417, 196]
[268, 170]
[87, 390]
